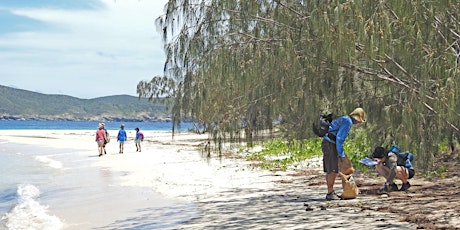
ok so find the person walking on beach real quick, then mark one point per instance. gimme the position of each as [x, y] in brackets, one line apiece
[122, 137]
[138, 139]
[107, 137]
[100, 138]
[332, 147]
[389, 167]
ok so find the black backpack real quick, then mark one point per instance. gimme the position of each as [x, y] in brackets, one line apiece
[321, 127]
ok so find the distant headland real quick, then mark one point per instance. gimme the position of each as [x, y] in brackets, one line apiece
[18, 104]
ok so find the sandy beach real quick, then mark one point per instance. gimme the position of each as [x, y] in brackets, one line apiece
[227, 192]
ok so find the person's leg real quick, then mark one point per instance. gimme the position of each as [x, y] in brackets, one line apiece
[100, 149]
[330, 167]
[403, 174]
[330, 180]
[385, 172]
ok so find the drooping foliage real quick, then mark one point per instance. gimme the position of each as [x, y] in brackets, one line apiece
[239, 65]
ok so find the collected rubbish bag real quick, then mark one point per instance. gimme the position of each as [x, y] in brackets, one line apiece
[350, 189]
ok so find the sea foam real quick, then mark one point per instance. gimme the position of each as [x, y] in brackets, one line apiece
[28, 213]
[51, 163]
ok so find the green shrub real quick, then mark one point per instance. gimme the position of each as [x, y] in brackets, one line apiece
[279, 154]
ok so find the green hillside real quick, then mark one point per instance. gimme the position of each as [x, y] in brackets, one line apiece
[23, 104]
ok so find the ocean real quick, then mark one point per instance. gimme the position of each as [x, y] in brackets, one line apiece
[87, 125]
[57, 188]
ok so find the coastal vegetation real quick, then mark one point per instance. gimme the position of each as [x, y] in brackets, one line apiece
[280, 154]
[240, 65]
[18, 104]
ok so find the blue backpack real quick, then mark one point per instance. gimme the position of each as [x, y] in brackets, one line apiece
[404, 159]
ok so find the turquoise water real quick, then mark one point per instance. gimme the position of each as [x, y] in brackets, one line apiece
[88, 125]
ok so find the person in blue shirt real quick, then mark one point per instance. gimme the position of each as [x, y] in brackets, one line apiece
[122, 137]
[332, 147]
[138, 139]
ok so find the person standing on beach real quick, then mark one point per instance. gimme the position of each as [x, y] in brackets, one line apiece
[138, 139]
[332, 147]
[122, 137]
[100, 138]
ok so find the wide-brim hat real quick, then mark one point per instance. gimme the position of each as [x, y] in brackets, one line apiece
[359, 115]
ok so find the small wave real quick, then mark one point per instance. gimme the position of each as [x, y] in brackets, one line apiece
[28, 213]
[52, 163]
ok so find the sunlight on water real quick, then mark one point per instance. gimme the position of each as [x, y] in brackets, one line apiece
[50, 162]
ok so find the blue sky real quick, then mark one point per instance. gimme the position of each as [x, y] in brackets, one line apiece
[80, 48]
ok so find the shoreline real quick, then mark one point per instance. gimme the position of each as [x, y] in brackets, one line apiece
[227, 192]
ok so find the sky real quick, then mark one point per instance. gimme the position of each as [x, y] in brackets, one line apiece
[81, 48]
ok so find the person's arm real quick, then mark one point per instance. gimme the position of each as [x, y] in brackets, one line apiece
[391, 164]
[341, 136]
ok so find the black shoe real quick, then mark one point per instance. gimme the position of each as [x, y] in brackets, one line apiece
[389, 188]
[394, 187]
[332, 196]
[405, 186]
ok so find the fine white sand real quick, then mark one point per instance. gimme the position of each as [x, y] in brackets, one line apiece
[173, 166]
[228, 193]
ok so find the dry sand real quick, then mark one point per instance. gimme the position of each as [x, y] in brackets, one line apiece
[229, 194]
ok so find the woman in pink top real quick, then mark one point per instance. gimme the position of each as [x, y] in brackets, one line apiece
[100, 138]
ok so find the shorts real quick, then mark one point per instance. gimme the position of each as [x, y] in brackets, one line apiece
[100, 143]
[138, 141]
[121, 142]
[330, 157]
[411, 173]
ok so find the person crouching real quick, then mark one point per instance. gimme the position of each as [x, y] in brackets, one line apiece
[388, 168]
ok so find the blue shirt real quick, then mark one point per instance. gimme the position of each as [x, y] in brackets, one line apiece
[339, 128]
[122, 135]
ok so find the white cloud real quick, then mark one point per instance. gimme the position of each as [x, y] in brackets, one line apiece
[116, 46]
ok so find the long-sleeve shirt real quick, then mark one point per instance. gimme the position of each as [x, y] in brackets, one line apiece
[339, 128]
[122, 135]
